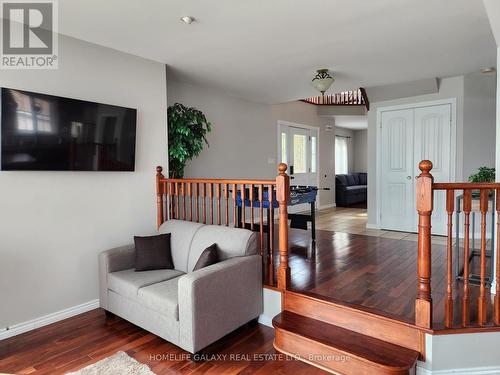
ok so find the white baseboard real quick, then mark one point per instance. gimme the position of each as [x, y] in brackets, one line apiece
[371, 226]
[30, 325]
[461, 371]
[324, 207]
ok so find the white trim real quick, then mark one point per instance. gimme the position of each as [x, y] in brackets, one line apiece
[453, 148]
[324, 207]
[372, 226]
[460, 371]
[30, 325]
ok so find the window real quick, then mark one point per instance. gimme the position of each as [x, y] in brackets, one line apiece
[284, 151]
[341, 161]
[299, 153]
[314, 141]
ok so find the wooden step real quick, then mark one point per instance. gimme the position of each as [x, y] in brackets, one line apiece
[339, 350]
[357, 319]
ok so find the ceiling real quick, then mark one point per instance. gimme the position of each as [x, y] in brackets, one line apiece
[351, 122]
[268, 51]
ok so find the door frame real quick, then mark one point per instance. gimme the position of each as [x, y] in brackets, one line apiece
[453, 146]
[303, 126]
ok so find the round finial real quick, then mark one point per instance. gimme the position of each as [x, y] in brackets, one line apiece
[282, 168]
[159, 169]
[425, 166]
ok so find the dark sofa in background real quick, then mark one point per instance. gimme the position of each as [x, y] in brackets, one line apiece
[350, 189]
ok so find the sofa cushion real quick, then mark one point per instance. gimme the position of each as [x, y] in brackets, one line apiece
[350, 179]
[182, 233]
[341, 179]
[208, 257]
[356, 178]
[363, 179]
[231, 242]
[161, 297]
[128, 282]
[153, 253]
[356, 188]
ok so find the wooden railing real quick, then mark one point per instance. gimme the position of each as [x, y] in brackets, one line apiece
[352, 97]
[425, 201]
[231, 202]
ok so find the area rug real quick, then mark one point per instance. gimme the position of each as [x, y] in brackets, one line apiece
[119, 363]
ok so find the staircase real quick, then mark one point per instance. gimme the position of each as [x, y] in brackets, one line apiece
[341, 339]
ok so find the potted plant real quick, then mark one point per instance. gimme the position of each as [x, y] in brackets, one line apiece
[484, 174]
[187, 130]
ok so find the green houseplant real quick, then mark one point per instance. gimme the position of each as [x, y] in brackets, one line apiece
[484, 174]
[187, 130]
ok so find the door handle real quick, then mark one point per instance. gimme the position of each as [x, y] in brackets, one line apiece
[408, 177]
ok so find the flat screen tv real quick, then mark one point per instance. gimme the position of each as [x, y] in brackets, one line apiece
[49, 133]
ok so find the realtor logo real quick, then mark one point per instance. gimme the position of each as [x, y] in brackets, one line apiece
[29, 34]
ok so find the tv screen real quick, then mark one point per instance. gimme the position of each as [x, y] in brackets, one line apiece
[49, 133]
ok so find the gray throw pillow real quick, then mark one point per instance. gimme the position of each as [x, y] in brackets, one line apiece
[153, 253]
[208, 257]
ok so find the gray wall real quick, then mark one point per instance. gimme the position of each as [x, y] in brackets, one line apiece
[479, 122]
[361, 150]
[243, 142]
[55, 223]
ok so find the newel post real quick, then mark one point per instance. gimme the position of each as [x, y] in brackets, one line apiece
[159, 197]
[423, 306]
[282, 196]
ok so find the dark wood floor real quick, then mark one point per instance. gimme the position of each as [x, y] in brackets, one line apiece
[87, 338]
[373, 272]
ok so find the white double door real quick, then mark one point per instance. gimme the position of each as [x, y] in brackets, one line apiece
[407, 137]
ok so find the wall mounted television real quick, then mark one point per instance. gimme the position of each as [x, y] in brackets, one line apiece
[49, 133]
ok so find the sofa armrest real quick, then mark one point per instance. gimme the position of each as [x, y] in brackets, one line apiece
[217, 299]
[117, 259]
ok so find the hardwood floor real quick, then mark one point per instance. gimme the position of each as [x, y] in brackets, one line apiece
[87, 338]
[372, 272]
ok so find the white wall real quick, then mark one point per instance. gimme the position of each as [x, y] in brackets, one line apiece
[53, 224]
[479, 122]
[243, 142]
[350, 146]
[361, 150]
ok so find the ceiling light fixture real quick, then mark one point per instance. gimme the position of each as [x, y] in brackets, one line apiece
[322, 81]
[188, 20]
[488, 70]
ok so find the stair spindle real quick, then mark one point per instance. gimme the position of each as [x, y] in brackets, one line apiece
[481, 313]
[251, 207]
[261, 214]
[217, 196]
[226, 197]
[465, 301]
[450, 208]
[235, 195]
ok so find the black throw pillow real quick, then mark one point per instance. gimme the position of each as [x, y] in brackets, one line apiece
[208, 257]
[153, 253]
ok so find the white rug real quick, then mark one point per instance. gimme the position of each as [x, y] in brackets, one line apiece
[118, 364]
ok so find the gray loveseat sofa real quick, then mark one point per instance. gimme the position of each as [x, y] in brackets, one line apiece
[189, 309]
